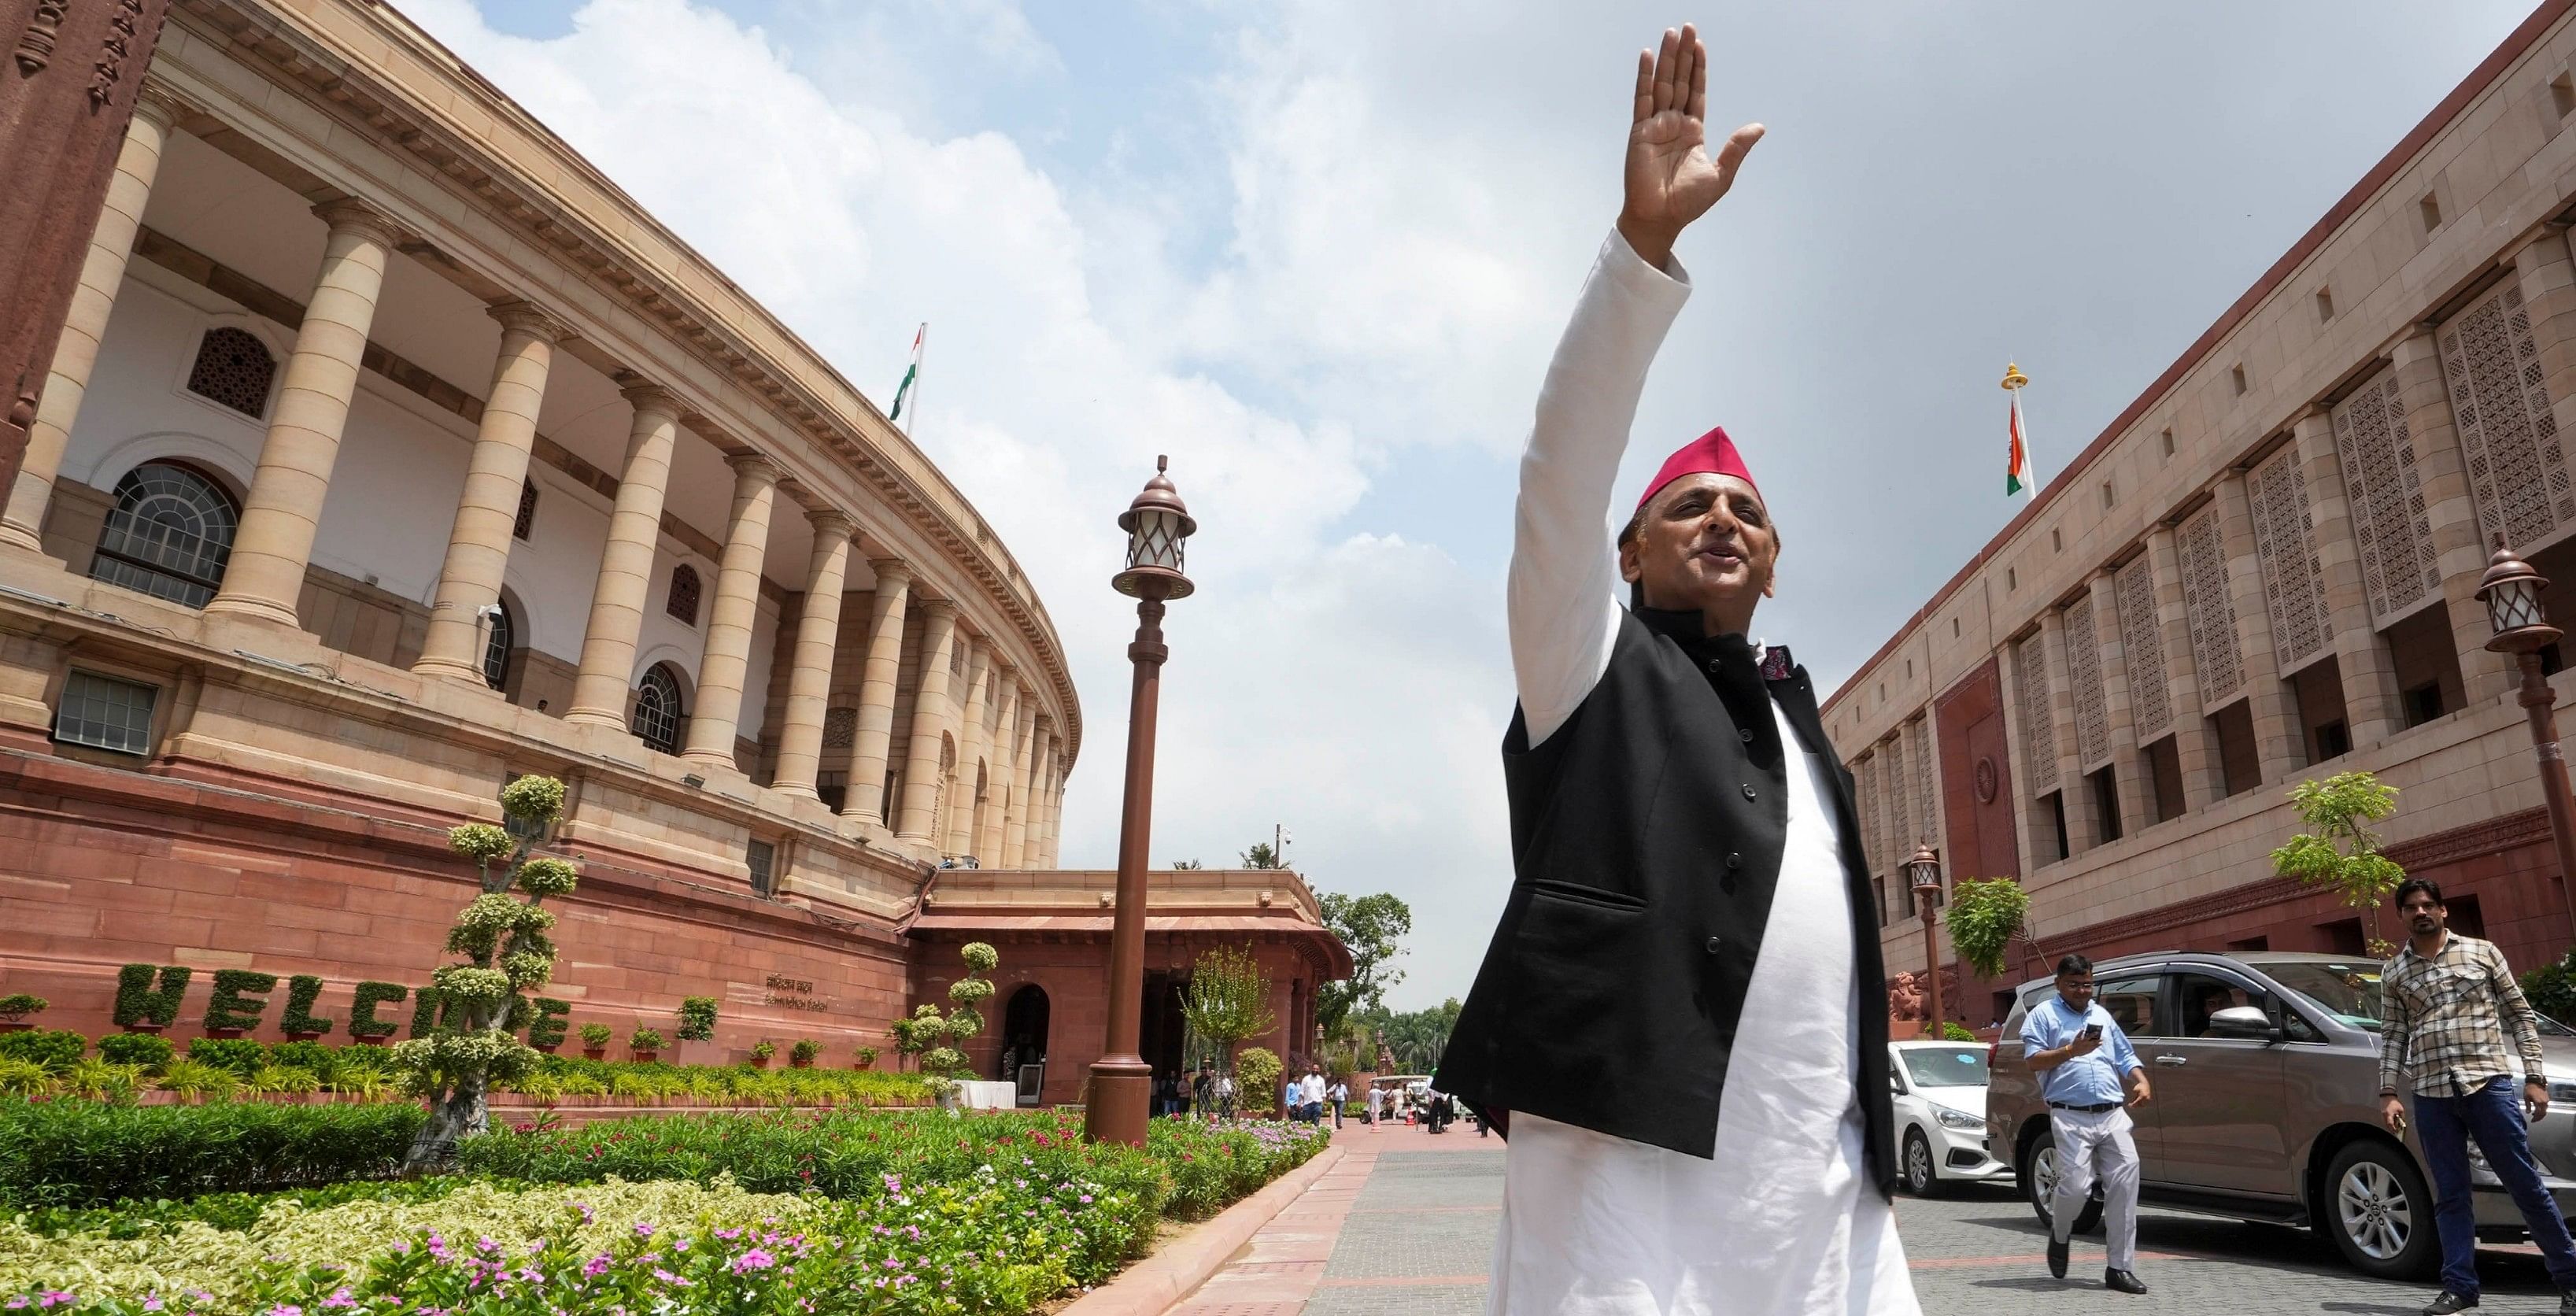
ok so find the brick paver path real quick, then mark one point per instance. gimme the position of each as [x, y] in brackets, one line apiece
[1404, 1226]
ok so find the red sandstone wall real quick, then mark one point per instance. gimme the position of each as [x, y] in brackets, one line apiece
[176, 874]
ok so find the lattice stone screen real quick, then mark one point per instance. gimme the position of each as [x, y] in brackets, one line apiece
[1865, 777]
[2294, 588]
[2142, 648]
[1927, 803]
[2084, 670]
[2038, 724]
[2208, 610]
[2500, 401]
[2387, 496]
[1900, 822]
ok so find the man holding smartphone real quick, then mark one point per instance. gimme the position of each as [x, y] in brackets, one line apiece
[2447, 1002]
[2083, 1061]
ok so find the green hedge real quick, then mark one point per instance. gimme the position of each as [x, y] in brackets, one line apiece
[231, 1212]
[84, 1153]
[56, 1051]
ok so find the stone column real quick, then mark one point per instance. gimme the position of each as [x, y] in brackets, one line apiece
[1052, 795]
[2026, 843]
[2459, 550]
[2370, 701]
[1043, 822]
[818, 631]
[478, 544]
[2129, 771]
[138, 162]
[274, 543]
[931, 720]
[1024, 759]
[2277, 743]
[2074, 794]
[737, 608]
[863, 799]
[626, 562]
[972, 742]
[1004, 792]
[2203, 780]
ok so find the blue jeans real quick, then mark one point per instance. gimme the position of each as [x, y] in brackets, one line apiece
[2492, 1115]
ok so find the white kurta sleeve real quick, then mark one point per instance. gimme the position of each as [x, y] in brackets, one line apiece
[1563, 606]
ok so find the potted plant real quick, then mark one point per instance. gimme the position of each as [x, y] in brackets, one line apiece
[867, 1057]
[802, 1054]
[594, 1041]
[645, 1043]
[14, 1010]
[761, 1051]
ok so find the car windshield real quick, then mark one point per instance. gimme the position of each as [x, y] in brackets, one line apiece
[1946, 1066]
[2346, 990]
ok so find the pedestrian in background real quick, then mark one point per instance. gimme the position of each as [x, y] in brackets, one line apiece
[2083, 1059]
[1340, 1095]
[2447, 1001]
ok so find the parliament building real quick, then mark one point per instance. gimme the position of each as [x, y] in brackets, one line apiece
[390, 451]
[2262, 572]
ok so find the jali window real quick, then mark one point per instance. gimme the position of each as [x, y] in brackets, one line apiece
[683, 600]
[233, 368]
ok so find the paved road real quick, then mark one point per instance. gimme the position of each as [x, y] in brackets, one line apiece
[1405, 1227]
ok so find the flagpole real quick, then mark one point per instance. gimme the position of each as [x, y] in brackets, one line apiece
[2014, 382]
[920, 359]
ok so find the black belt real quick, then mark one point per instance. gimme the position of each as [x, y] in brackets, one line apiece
[2089, 1110]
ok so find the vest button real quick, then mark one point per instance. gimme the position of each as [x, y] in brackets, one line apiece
[1744, 734]
[1715, 666]
[1734, 861]
[1716, 945]
[1748, 790]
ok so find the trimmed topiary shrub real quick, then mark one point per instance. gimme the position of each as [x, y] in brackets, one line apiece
[298, 1019]
[240, 998]
[697, 1019]
[83, 1153]
[149, 1050]
[240, 1057]
[139, 1003]
[362, 1011]
[547, 1026]
[18, 1005]
[312, 1057]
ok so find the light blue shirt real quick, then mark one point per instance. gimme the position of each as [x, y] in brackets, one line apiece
[2086, 1080]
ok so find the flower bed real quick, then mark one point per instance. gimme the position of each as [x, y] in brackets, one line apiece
[894, 1212]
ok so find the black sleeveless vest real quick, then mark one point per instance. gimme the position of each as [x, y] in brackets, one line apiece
[1646, 839]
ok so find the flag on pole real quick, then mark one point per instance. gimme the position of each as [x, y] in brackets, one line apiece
[910, 373]
[2017, 476]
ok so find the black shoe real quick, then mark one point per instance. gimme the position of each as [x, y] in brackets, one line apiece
[2567, 1302]
[2056, 1258]
[2450, 1302]
[2121, 1281]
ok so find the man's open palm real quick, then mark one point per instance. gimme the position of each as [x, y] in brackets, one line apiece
[1671, 180]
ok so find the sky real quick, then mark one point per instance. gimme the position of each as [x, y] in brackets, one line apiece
[1318, 252]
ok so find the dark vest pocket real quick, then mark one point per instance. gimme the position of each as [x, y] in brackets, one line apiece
[1586, 895]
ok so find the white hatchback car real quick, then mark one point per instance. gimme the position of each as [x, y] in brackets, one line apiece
[1940, 1101]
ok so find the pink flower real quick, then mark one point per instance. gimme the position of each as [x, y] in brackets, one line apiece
[339, 1300]
[643, 1230]
[152, 1302]
[668, 1278]
[284, 1309]
[56, 1297]
[20, 1301]
[755, 1259]
[595, 1267]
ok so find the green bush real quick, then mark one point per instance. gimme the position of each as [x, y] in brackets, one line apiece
[1256, 1080]
[55, 1050]
[804, 1051]
[362, 1008]
[1954, 1031]
[2551, 988]
[18, 1005]
[697, 1019]
[298, 1017]
[595, 1036]
[238, 1056]
[24, 1078]
[239, 998]
[83, 1153]
[645, 1039]
[1214, 1166]
[230, 1212]
[150, 1050]
[312, 1057]
[139, 1002]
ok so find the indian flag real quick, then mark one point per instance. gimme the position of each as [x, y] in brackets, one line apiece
[2017, 476]
[912, 372]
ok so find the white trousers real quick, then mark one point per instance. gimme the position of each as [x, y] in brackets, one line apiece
[2095, 1146]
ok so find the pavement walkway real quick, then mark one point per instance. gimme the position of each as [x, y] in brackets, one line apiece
[1404, 1225]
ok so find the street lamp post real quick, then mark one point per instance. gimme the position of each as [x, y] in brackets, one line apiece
[2511, 590]
[1121, 1082]
[1925, 870]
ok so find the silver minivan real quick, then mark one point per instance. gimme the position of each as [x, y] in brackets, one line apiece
[2266, 1074]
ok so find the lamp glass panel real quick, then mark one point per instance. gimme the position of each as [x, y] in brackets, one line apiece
[1156, 540]
[2514, 604]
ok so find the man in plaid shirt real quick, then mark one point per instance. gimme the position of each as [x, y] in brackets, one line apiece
[2446, 1002]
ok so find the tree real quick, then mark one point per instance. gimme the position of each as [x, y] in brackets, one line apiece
[1415, 1039]
[1370, 926]
[1984, 917]
[940, 1040]
[1228, 999]
[2337, 812]
[1187, 865]
[1261, 855]
[506, 952]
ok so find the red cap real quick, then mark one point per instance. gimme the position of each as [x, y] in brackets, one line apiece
[1711, 453]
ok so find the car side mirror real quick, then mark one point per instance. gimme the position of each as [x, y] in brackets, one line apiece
[2243, 1021]
[1896, 1085]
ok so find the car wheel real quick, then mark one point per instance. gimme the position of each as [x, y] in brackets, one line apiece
[2039, 1186]
[1920, 1178]
[2379, 1212]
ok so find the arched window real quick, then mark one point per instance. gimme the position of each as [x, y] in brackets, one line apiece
[168, 536]
[233, 368]
[496, 649]
[683, 600]
[657, 709]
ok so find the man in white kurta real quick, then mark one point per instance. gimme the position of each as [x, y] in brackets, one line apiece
[1782, 1219]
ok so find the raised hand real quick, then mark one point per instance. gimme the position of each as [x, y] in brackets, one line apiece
[1670, 179]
